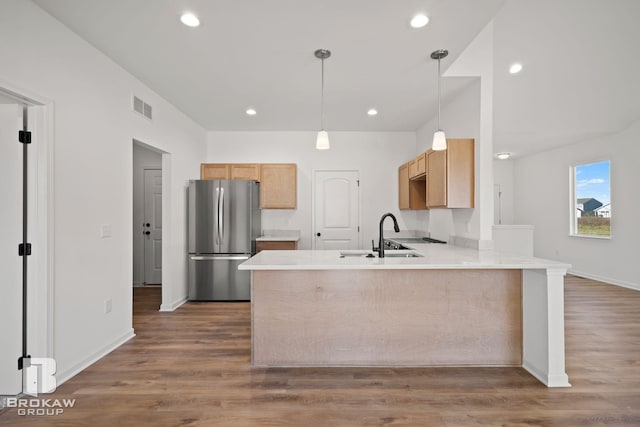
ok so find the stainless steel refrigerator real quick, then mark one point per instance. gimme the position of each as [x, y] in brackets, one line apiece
[223, 224]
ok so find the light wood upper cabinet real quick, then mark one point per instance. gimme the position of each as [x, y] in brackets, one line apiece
[411, 191]
[278, 185]
[249, 171]
[215, 171]
[278, 181]
[450, 178]
[403, 186]
[418, 166]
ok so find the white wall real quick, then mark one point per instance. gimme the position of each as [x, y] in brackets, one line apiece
[92, 177]
[143, 158]
[460, 118]
[542, 198]
[503, 177]
[468, 115]
[376, 155]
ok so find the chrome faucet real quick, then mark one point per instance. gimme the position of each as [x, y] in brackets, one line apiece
[381, 242]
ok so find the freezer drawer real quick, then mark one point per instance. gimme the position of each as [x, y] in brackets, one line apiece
[217, 278]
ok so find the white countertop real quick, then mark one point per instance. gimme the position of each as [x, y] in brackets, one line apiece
[435, 256]
[278, 239]
[279, 236]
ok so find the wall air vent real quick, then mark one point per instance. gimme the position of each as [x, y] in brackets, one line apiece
[139, 106]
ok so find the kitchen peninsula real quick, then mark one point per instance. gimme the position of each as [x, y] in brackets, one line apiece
[448, 306]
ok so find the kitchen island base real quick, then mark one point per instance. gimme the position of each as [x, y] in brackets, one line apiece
[387, 318]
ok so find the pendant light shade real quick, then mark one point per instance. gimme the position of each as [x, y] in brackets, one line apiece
[439, 139]
[322, 140]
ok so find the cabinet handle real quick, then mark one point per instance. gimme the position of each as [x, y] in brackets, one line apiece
[146, 233]
[318, 234]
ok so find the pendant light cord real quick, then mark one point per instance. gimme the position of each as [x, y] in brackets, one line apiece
[322, 99]
[438, 93]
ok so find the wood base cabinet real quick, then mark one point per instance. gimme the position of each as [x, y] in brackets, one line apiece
[280, 245]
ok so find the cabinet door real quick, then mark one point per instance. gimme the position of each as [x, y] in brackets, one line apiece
[403, 187]
[437, 179]
[421, 164]
[278, 186]
[413, 168]
[214, 171]
[249, 171]
[460, 173]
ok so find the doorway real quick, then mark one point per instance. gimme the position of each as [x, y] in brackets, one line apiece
[336, 209]
[147, 215]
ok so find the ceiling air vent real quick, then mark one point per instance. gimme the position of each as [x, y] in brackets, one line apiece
[139, 106]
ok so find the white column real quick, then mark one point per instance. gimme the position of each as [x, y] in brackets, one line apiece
[543, 325]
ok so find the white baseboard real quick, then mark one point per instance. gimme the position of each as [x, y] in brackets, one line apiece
[174, 305]
[634, 286]
[79, 367]
[558, 380]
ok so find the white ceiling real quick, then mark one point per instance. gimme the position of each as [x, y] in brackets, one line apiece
[579, 56]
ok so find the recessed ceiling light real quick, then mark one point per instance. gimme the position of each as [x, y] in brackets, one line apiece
[372, 112]
[515, 68]
[503, 156]
[419, 21]
[251, 112]
[190, 20]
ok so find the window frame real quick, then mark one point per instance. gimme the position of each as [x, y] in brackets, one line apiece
[573, 201]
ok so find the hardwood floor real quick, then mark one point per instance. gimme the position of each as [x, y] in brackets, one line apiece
[191, 368]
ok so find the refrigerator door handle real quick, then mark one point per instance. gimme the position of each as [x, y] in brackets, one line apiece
[220, 258]
[221, 216]
[217, 231]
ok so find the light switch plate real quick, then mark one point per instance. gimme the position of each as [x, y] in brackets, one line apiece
[105, 230]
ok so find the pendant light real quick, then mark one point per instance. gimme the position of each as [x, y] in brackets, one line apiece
[439, 140]
[322, 141]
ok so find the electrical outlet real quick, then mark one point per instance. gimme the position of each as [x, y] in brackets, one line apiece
[107, 306]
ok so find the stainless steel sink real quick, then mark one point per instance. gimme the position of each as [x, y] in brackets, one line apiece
[402, 254]
[357, 254]
[388, 253]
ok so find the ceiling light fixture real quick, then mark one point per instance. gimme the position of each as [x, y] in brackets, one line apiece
[190, 20]
[503, 156]
[419, 21]
[322, 141]
[515, 68]
[372, 112]
[251, 112]
[439, 139]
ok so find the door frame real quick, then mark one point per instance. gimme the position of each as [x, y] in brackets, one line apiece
[41, 285]
[168, 304]
[313, 203]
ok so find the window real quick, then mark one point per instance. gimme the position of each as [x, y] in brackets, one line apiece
[591, 210]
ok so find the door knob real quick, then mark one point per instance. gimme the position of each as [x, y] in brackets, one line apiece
[146, 233]
[318, 234]
[147, 225]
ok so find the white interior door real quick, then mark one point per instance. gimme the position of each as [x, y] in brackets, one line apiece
[336, 210]
[10, 237]
[152, 227]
